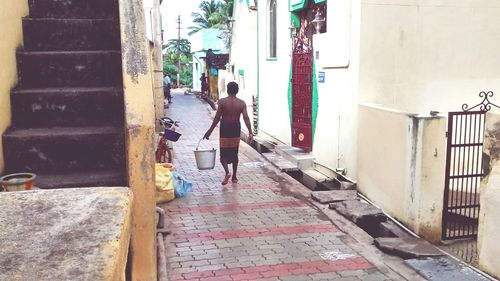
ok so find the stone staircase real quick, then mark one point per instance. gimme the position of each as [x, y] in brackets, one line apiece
[68, 108]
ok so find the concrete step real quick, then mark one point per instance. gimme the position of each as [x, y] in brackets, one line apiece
[280, 162]
[63, 149]
[303, 160]
[82, 179]
[51, 107]
[69, 69]
[43, 34]
[407, 247]
[91, 9]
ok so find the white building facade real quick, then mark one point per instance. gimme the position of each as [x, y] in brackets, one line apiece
[384, 76]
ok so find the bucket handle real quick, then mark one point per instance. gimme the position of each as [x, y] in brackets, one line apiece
[198, 145]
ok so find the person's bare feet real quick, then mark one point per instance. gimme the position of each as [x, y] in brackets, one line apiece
[226, 179]
[234, 179]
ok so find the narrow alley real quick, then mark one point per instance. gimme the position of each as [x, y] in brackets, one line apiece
[263, 228]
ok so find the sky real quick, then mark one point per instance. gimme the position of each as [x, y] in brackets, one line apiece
[170, 9]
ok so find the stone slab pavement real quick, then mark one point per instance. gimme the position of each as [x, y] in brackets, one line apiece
[265, 227]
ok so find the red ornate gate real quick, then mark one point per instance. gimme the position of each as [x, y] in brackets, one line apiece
[302, 85]
[302, 100]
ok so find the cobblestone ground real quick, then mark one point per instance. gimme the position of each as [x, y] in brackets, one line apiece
[253, 230]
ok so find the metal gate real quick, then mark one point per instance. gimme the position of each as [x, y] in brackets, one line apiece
[302, 100]
[302, 79]
[464, 170]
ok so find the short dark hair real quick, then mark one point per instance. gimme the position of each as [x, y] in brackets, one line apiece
[232, 88]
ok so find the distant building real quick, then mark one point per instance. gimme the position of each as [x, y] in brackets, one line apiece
[202, 41]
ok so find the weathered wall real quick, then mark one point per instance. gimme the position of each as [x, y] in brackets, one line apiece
[429, 177]
[153, 28]
[139, 131]
[487, 240]
[90, 243]
[422, 55]
[12, 37]
[401, 166]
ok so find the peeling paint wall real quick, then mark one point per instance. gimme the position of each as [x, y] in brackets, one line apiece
[429, 176]
[11, 14]
[489, 213]
[139, 132]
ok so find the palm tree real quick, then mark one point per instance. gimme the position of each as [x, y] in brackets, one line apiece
[184, 46]
[213, 14]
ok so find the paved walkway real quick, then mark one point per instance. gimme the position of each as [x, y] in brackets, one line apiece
[263, 228]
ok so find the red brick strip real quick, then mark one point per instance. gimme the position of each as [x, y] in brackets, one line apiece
[241, 233]
[238, 207]
[279, 270]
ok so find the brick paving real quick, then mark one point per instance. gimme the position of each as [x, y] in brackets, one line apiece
[256, 229]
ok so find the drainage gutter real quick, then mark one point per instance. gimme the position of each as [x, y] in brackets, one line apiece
[416, 236]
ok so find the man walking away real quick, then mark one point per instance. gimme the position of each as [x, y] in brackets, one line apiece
[228, 113]
[166, 89]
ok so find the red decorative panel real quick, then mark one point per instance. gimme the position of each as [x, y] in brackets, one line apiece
[302, 100]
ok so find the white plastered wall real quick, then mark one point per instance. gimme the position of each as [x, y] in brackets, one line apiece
[337, 55]
[422, 55]
[243, 55]
[417, 56]
[401, 166]
[274, 74]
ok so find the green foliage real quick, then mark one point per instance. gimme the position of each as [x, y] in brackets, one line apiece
[184, 46]
[171, 68]
[187, 76]
[213, 14]
[176, 54]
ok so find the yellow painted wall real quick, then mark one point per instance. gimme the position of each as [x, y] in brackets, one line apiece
[11, 36]
[139, 133]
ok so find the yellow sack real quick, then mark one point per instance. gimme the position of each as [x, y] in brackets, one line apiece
[164, 184]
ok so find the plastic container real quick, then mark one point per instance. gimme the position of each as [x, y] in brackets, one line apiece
[18, 182]
[205, 158]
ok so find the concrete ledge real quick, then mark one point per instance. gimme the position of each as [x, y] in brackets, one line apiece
[65, 234]
[212, 104]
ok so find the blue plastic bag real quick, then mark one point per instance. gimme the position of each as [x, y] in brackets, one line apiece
[181, 185]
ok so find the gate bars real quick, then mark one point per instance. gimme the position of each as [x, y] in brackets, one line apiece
[464, 169]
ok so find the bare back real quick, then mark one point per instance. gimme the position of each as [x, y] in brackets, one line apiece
[231, 108]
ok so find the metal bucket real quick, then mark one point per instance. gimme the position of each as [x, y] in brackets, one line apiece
[18, 182]
[205, 158]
